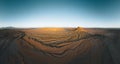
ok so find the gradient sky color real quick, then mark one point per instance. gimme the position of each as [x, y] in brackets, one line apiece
[60, 13]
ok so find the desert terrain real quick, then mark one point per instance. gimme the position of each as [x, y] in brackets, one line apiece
[60, 46]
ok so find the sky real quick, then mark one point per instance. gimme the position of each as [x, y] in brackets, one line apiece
[60, 13]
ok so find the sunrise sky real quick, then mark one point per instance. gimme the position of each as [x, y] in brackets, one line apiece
[60, 13]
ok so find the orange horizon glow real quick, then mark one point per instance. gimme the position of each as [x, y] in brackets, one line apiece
[52, 29]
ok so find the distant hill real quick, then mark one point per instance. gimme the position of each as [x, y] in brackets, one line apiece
[9, 27]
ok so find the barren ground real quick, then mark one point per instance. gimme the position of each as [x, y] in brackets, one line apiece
[60, 46]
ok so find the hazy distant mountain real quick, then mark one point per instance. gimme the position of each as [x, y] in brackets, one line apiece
[9, 27]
